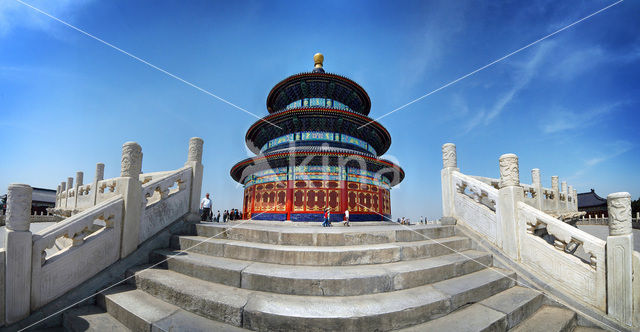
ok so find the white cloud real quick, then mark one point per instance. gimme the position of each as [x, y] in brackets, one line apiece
[561, 119]
[443, 21]
[607, 152]
[615, 149]
[15, 15]
[523, 74]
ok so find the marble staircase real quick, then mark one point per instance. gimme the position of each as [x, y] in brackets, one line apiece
[302, 277]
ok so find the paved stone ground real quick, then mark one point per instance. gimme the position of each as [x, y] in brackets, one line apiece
[601, 232]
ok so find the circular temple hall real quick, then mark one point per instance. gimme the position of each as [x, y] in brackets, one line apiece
[317, 149]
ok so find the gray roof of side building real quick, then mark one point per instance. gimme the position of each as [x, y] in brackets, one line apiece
[590, 199]
[43, 195]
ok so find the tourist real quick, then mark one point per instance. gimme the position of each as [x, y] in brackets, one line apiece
[329, 217]
[225, 216]
[205, 206]
[346, 217]
[218, 216]
[325, 222]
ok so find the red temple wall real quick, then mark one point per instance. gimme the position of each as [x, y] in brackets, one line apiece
[313, 196]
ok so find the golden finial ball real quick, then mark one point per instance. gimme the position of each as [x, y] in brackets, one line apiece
[318, 59]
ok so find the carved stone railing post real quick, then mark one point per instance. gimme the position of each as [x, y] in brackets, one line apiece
[570, 201]
[131, 188]
[58, 192]
[63, 200]
[68, 204]
[556, 192]
[619, 258]
[98, 177]
[449, 165]
[536, 182]
[564, 206]
[79, 181]
[509, 194]
[194, 160]
[18, 244]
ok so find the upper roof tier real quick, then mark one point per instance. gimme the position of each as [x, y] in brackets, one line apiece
[318, 84]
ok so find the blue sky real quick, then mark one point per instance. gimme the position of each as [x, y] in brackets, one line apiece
[567, 105]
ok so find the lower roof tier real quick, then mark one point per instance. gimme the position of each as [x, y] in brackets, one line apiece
[386, 171]
[320, 120]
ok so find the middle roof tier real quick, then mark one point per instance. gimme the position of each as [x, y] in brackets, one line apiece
[314, 119]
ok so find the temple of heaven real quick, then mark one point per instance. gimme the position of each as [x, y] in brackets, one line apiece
[317, 149]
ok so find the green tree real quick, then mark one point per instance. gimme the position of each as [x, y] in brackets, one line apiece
[635, 207]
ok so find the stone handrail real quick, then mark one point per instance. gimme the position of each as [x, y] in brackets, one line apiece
[554, 200]
[91, 250]
[148, 177]
[551, 262]
[114, 218]
[515, 218]
[475, 202]
[164, 199]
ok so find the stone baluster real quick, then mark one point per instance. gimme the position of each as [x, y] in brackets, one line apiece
[63, 201]
[58, 192]
[619, 258]
[68, 204]
[449, 165]
[194, 160]
[79, 182]
[131, 188]
[18, 244]
[570, 202]
[536, 182]
[555, 204]
[99, 176]
[509, 194]
[563, 204]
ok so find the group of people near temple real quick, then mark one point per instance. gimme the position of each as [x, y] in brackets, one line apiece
[207, 213]
[326, 218]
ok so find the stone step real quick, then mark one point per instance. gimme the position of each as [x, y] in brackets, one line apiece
[323, 280]
[473, 318]
[549, 319]
[587, 329]
[496, 313]
[322, 236]
[90, 318]
[256, 310]
[321, 255]
[140, 311]
[517, 303]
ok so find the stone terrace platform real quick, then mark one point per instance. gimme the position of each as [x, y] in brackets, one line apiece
[275, 276]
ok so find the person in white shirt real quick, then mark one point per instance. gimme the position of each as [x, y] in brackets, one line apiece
[205, 206]
[346, 218]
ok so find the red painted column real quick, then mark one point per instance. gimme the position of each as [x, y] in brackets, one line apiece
[343, 196]
[380, 202]
[253, 200]
[289, 202]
